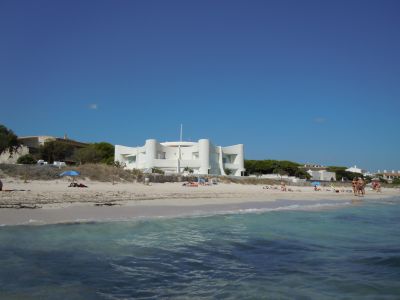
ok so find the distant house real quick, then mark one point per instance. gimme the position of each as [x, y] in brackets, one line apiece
[356, 170]
[322, 175]
[31, 145]
[34, 142]
[389, 176]
[360, 171]
[319, 172]
[173, 157]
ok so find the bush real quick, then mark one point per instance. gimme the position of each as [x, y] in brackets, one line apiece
[396, 181]
[158, 171]
[189, 170]
[228, 171]
[26, 159]
[97, 172]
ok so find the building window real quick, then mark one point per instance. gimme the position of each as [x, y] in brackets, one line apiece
[131, 159]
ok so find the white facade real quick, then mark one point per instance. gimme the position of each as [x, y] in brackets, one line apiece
[323, 175]
[355, 170]
[202, 157]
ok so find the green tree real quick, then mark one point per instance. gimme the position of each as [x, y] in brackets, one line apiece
[8, 140]
[56, 151]
[26, 159]
[282, 167]
[96, 153]
[87, 154]
[106, 151]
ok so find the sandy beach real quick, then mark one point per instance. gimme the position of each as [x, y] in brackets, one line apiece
[42, 202]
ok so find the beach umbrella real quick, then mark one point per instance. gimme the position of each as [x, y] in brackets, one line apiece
[70, 173]
[315, 183]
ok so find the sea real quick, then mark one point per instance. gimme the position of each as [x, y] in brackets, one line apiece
[344, 251]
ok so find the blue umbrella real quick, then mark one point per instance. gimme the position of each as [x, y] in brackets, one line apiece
[315, 183]
[70, 173]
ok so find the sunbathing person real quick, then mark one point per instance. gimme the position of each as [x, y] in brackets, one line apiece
[317, 188]
[74, 184]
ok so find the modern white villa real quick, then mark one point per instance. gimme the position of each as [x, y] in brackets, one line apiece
[201, 157]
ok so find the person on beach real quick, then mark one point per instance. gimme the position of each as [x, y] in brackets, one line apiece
[376, 186]
[361, 186]
[354, 184]
[283, 186]
[1, 185]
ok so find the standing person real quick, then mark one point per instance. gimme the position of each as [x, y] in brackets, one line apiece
[354, 184]
[361, 186]
[378, 187]
[1, 185]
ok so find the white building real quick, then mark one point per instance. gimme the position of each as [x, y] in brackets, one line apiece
[173, 157]
[323, 175]
[356, 170]
[360, 171]
[389, 176]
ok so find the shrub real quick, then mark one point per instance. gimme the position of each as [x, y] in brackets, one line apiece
[26, 159]
[96, 153]
[396, 181]
[157, 171]
[228, 171]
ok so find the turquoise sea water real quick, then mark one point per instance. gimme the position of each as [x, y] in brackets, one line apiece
[350, 252]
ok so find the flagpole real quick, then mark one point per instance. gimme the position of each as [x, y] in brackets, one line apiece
[179, 149]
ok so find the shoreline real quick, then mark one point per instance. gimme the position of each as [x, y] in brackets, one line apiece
[53, 202]
[88, 214]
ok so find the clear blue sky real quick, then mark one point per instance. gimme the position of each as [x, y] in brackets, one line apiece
[308, 81]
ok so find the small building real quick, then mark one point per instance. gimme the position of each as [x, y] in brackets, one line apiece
[322, 175]
[31, 145]
[356, 170]
[200, 157]
[389, 176]
[34, 142]
[318, 172]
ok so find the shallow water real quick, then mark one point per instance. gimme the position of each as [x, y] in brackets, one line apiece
[343, 253]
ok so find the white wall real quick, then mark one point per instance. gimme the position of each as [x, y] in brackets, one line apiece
[203, 157]
[322, 175]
